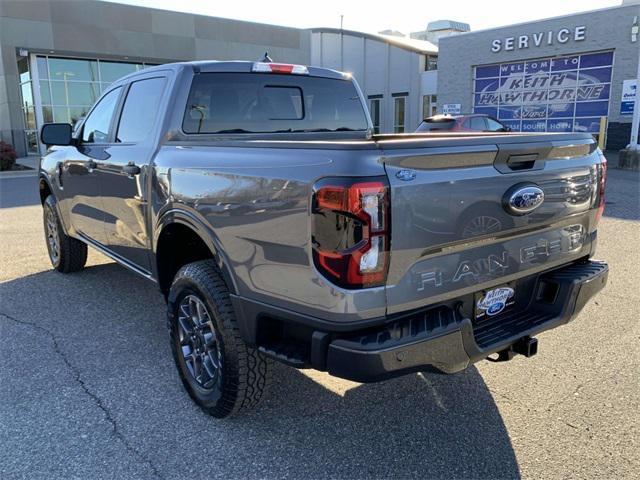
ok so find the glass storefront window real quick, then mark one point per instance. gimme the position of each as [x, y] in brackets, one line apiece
[29, 118]
[112, 71]
[23, 70]
[74, 93]
[60, 114]
[67, 88]
[45, 93]
[31, 137]
[43, 69]
[27, 94]
[73, 69]
[47, 114]
[78, 113]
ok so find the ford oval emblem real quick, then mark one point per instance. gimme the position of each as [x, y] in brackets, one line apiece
[406, 175]
[523, 198]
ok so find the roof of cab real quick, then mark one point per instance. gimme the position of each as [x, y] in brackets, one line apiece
[232, 66]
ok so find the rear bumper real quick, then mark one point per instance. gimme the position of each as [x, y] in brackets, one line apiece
[442, 338]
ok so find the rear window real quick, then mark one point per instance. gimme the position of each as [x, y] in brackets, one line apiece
[430, 125]
[271, 103]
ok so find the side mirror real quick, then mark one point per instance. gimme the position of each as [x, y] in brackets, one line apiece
[56, 134]
[506, 129]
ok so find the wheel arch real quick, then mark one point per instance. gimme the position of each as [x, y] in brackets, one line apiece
[179, 227]
[44, 189]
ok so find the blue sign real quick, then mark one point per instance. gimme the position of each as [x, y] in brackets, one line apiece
[629, 91]
[555, 94]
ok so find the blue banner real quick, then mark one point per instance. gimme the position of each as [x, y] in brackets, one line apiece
[555, 94]
[534, 125]
[560, 125]
[590, 125]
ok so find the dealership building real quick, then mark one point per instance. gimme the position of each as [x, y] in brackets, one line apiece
[556, 75]
[398, 75]
[57, 56]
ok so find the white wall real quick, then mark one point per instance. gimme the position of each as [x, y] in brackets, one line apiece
[429, 82]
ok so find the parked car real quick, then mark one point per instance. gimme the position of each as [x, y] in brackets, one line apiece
[462, 123]
[278, 227]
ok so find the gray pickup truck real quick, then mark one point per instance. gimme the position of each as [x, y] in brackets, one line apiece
[277, 226]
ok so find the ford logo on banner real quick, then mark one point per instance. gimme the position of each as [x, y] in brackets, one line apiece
[522, 199]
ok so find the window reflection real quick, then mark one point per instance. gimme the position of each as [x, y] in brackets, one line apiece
[112, 71]
[73, 69]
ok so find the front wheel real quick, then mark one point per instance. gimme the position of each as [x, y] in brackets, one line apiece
[66, 253]
[219, 371]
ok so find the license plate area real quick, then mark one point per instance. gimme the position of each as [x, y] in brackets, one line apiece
[494, 302]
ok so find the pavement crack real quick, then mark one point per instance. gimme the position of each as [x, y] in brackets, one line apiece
[77, 377]
[501, 395]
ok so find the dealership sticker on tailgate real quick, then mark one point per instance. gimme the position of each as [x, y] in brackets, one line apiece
[495, 301]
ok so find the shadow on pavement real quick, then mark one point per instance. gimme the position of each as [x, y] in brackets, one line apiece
[110, 325]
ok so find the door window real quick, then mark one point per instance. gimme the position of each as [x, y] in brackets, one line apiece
[96, 127]
[494, 126]
[477, 123]
[140, 110]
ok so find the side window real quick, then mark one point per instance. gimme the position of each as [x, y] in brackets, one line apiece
[96, 126]
[494, 126]
[140, 110]
[374, 110]
[399, 104]
[477, 123]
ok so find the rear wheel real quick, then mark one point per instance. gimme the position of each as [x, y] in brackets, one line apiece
[66, 253]
[220, 372]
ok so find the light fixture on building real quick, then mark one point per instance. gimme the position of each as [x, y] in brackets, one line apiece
[23, 52]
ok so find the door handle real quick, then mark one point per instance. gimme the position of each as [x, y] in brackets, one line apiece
[91, 165]
[131, 169]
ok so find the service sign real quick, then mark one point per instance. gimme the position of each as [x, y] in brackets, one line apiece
[555, 94]
[629, 91]
[451, 108]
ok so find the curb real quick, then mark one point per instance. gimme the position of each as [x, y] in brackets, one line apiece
[18, 174]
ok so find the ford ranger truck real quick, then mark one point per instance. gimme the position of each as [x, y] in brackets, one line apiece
[278, 227]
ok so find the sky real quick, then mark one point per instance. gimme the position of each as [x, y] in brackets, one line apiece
[372, 16]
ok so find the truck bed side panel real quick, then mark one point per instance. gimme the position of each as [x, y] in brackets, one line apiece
[256, 203]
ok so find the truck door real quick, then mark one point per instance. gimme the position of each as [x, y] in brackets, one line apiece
[78, 175]
[123, 176]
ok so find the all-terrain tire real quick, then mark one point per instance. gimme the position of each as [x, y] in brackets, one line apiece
[244, 371]
[66, 253]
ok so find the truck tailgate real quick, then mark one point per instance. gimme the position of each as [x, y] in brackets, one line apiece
[456, 228]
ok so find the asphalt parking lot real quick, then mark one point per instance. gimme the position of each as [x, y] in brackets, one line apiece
[88, 388]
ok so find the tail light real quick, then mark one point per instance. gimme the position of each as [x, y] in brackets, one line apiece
[602, 180]
[350, 230]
